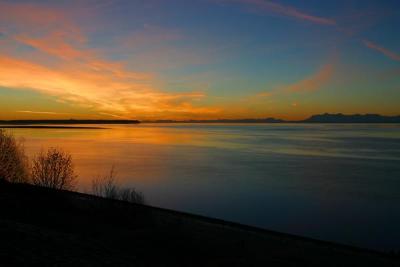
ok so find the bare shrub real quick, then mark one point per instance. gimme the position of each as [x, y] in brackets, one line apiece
[105, 186]
[131, 195]
[13, 162]
[108, 187]
[53, 169]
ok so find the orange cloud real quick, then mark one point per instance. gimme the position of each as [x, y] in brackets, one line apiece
[35, 18]
[29, 13]
[42, 112]
[54, 45]
[62, 66]
[264, 94]
[390, 54]
[313, 82]
[57, 45]
[102, 91]
[284, 10]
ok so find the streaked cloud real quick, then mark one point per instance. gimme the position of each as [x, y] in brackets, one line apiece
[55, 44]
[283, 10]
[64, 66]
[99, 90]
[42, 112]
[313, 82]
[156, 59]
[35, 18]
[390, 54]
[113, 115]
[264, 94]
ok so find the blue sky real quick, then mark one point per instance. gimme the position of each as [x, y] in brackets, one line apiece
[198, 59]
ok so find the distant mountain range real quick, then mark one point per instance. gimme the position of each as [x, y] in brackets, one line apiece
[356, 118]
[320, 118]
[267, 120]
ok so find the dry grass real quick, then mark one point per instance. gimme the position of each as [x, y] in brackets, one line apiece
[108, 187]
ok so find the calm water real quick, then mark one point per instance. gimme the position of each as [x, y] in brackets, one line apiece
[331, 182]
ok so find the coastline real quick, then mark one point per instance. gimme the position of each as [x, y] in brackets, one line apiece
[318, 118]
[49, 127]
[123, 233]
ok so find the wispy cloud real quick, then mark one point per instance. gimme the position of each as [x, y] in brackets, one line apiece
[42, 112]
[114, 116]
[390, 54]
[98, 90]
[290, 11]
[35, 18]
[313, 82]
[63, 65]
[264, 94]
[283, 10]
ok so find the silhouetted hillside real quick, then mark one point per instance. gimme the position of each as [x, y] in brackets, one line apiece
[47, 227]
[319, 118]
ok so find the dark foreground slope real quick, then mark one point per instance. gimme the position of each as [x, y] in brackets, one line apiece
[43, 227]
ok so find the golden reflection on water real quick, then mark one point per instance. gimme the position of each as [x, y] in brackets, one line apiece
[138, 152]
[145, 154]
[131, 134]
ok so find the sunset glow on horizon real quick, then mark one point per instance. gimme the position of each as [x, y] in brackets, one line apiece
[202, 59]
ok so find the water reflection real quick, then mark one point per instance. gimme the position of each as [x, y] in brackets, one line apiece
[335, 182]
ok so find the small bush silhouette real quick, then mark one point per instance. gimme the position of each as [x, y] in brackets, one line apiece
[53, 169]
[130, 195]
[107, 187]
[13, 162]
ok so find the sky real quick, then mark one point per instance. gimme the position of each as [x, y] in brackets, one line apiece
[198, 59]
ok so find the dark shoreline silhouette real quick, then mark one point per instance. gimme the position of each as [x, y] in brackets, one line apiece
[355, 118]
[49, 127]
[319, 118]
[43, 226]
[267, 120]
[71, 121]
